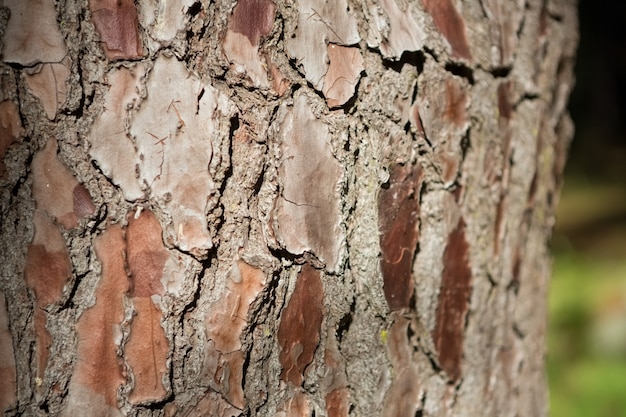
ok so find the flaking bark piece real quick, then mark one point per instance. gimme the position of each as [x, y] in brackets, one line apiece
[454, 298]
[308, 210]
[8, 373]
[398, 216]
[343, 74]
[297, 406]
[441, 110]
[225, 323]
[402, 397]
[451, 25]
[319, 22]
[32, 33]
[174, 132]
[99, 372]
[117, 23]
[250, 22]
[403, 32]
[147, 348]
[337, 403]
[300, 325]
[47, 262]
[46, 272]
[48, 82]
[56, 190]
[228, 316]
[10, 130]
[111, 147]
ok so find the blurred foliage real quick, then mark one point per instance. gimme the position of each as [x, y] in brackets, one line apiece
[587, 328]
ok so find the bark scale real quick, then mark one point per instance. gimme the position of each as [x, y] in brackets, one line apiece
[279, 208]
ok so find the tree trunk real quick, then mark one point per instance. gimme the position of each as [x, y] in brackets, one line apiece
[277, 208]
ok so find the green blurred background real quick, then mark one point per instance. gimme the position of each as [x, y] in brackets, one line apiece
[587, 331]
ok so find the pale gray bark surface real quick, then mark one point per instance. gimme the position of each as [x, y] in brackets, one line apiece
[289, 208]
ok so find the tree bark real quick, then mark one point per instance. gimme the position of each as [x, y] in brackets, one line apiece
[278, 208]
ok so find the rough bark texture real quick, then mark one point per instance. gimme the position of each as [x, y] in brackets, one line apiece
[272, 208]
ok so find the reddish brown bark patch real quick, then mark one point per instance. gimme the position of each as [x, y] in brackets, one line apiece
[148, 347]
[46, 271]
[344, 71]
[83, 206]
[225, 323]
[498, 226]
[453, 302]
[228, 316]
[254, 19]
[297, 406]
[10, 129]
[43, 341]
[146, 255]
[117, 23]
[146, 352]
[55, 188]
[456, 102]
[48, 82]
[337, 404]
[280, 84]
[450, 24]
[98, 368]
[402, 397]
[299, 329]
[47, 263]
[505, 107]
[398, 214]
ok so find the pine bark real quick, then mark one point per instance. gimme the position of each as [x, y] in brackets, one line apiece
[279, 208]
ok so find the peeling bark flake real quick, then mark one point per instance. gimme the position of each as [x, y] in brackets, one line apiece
[450, 23]
[146, 255]
[48, 82]
[320, 22]
[147, 347]
[453, 302]
[254, 19]
[343, 74]
[48, 265]
[225, 323]
[146, 352]
[54, 188]
[111, 146]
[99, 372]
[300, 325]
[174, 131]
[32, 33]
[227, 318]
[297, 406]
[404, 34]
[402, 397]
[456, 102]
[251, 20]
[398, 215]
[337, 403]
[307, 212]
[117, 23]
